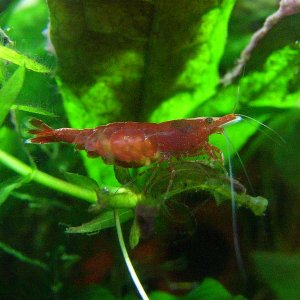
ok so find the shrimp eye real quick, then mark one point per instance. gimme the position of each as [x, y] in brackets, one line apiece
[209, 120]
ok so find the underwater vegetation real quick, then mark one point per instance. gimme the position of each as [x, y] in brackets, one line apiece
[166, 202]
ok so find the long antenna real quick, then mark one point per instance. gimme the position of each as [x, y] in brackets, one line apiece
[242, 165]
[266, 126]
[234, 216]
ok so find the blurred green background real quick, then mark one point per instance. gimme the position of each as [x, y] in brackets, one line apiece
[148, 61]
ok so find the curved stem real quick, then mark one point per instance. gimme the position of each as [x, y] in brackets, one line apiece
[46, 179]
[130, 268]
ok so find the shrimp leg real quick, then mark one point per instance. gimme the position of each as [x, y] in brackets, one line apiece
[214, 153]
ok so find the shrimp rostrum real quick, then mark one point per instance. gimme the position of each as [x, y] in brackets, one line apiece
[136, 144]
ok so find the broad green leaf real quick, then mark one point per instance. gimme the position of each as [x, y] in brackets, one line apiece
[34, 110]
[103, 221]
[21, 60]
[281, 272]
[209, 289]
[123, 60]
[20, 256]
[200, 76]
[10, 91]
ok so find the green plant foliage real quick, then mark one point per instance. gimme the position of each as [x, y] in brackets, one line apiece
[280, 271]
[263, 92]
[7, 187]
[46, 179]
[10, 91]
[103, 221]
[209, 289]
[26, 22]
[34, 110]
[83, 181]
[193, 176]
[20, 256]
[135, 234]
[21, 60]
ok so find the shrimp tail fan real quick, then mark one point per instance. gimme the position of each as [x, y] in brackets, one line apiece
[43, 133]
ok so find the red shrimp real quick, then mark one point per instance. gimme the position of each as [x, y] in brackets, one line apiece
[135, 144]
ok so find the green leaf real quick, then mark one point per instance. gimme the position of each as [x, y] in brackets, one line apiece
[34, 110]
[103, 221]
[281, 272]
[209, 289]
[135, 234]
[83, 181]
[21, 60]
[10, 91]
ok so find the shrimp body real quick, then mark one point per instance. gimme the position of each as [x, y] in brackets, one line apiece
[135, 144]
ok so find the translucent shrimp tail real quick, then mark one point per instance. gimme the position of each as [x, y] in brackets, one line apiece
[236, 243]
[43, 133]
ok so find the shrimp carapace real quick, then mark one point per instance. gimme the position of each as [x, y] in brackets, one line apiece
[135, 144]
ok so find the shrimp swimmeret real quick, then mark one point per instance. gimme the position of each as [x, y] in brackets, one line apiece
[136, 144]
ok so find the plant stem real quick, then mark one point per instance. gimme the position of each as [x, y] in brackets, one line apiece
[46, 179]
[130, 268]
[23, 257]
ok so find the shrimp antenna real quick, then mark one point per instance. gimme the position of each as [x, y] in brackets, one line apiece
[242, 164]
[237, 100]
[234, 215]
[267, 127]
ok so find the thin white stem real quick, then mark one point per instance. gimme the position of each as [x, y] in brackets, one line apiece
[234, 216]
[129, 265]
